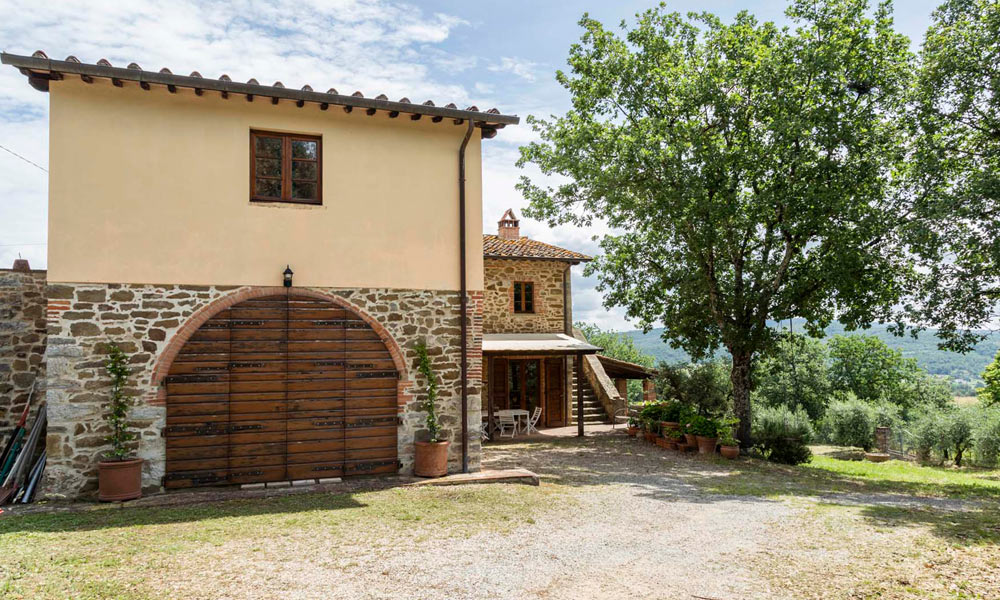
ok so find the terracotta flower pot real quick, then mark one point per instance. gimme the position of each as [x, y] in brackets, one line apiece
[876, 457]
[431, 459]
[666, 425]
[690, 439]
[672, 445]
[662, 442]
[650, 437]
[706, 445]
[632, 431]
[119, 479]
[730, 452]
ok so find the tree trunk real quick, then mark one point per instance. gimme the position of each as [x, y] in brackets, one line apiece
[740, 377]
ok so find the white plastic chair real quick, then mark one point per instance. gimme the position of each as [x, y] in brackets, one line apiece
[506, 421]
[529, 426]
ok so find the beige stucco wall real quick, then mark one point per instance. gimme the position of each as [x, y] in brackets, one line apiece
[153, 187]
[498, 298]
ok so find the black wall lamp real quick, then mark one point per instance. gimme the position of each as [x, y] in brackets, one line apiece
[288, 276]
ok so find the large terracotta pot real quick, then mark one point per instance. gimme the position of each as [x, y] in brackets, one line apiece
[650, 437]
[662, 442]
[669, 425]
[706, 445]
[730, 452]
[119, 479]
[632, 431]
[690, 440]
[431, 459]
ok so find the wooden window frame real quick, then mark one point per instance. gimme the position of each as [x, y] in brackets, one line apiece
[286, 167]
[520, 301]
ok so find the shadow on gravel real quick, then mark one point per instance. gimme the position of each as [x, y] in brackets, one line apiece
[966, 528]
[611, 457]
[80, 518]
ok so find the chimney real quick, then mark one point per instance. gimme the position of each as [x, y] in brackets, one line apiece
[508, 226]
[21, 265]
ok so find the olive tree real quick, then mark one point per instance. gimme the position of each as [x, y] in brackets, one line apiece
[747, 172]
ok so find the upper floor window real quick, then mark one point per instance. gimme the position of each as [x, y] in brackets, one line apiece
[285, 167]
[524, 297]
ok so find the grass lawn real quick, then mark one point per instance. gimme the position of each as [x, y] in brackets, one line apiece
[126, 553]
[827, 473]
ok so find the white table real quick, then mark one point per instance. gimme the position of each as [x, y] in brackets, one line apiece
[518, 414]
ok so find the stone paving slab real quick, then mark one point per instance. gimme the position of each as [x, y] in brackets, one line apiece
[523, 476]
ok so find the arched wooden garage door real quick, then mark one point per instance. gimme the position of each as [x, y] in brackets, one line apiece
[280, 388]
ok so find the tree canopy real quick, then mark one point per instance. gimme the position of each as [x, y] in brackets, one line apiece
[955, 174]
[748, 171]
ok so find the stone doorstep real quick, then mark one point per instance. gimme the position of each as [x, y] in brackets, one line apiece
[522, 476]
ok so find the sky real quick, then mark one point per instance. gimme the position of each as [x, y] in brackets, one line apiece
[490, 54]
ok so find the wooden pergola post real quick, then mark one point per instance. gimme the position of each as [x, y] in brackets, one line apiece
[579, 395]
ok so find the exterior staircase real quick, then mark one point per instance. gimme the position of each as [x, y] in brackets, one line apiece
[593, 411]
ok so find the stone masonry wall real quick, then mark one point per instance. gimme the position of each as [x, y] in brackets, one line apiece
[145, 319]
[547, 277]
[22, 342]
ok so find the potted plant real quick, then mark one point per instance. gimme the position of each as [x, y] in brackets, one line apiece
[670, 415]
[729, 446]
[675, 437]
[706, 432]
[431, 459]
[633, 427]
[119, 475]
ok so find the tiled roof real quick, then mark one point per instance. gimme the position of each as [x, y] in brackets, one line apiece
[496, 247]
[40, 69]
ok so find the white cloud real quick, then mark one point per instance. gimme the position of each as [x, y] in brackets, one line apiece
[374, 46]
[524, 69]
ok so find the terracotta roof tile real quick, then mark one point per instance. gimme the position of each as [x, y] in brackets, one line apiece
[496, 247]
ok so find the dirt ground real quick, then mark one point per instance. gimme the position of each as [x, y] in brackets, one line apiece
[613, 518]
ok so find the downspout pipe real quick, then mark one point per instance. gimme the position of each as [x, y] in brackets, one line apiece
[462, 299]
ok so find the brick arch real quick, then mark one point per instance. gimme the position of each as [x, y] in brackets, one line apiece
[166, 358]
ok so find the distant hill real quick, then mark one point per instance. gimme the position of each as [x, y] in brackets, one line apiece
[961, 368]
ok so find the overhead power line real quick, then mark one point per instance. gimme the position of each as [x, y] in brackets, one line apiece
[32, 163]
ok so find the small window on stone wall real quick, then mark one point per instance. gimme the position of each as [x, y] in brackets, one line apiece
[524, 297]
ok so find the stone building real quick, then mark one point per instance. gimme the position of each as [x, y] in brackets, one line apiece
[177, 204]
[269, 259]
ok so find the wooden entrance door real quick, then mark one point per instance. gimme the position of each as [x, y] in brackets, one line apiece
[279, 388]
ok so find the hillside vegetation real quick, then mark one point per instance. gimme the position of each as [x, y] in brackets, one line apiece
[963, 369]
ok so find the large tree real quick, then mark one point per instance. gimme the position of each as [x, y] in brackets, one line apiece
[747, 171]
[956, 171]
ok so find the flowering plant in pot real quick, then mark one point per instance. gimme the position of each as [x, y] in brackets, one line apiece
[706, 432]
[670, 415]
[431, 459]
[119, 475]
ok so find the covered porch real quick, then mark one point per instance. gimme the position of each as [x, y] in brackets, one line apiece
[528, 376]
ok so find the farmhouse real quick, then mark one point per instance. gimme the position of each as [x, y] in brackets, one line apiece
[269, 258]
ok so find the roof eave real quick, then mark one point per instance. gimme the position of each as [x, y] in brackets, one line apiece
[41, 70]
[574, 261]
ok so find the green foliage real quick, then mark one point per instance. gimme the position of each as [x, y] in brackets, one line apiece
[430, 403]
[704, 426]
[119, 403]
[866, 367]
[928, 436]
[955, 172]
[705, 386]
[782, 435]
[622, 347]
[956, 433]
[989, 395]
[794, 374]
[852, 423]
[748, 166]
[987, 438]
